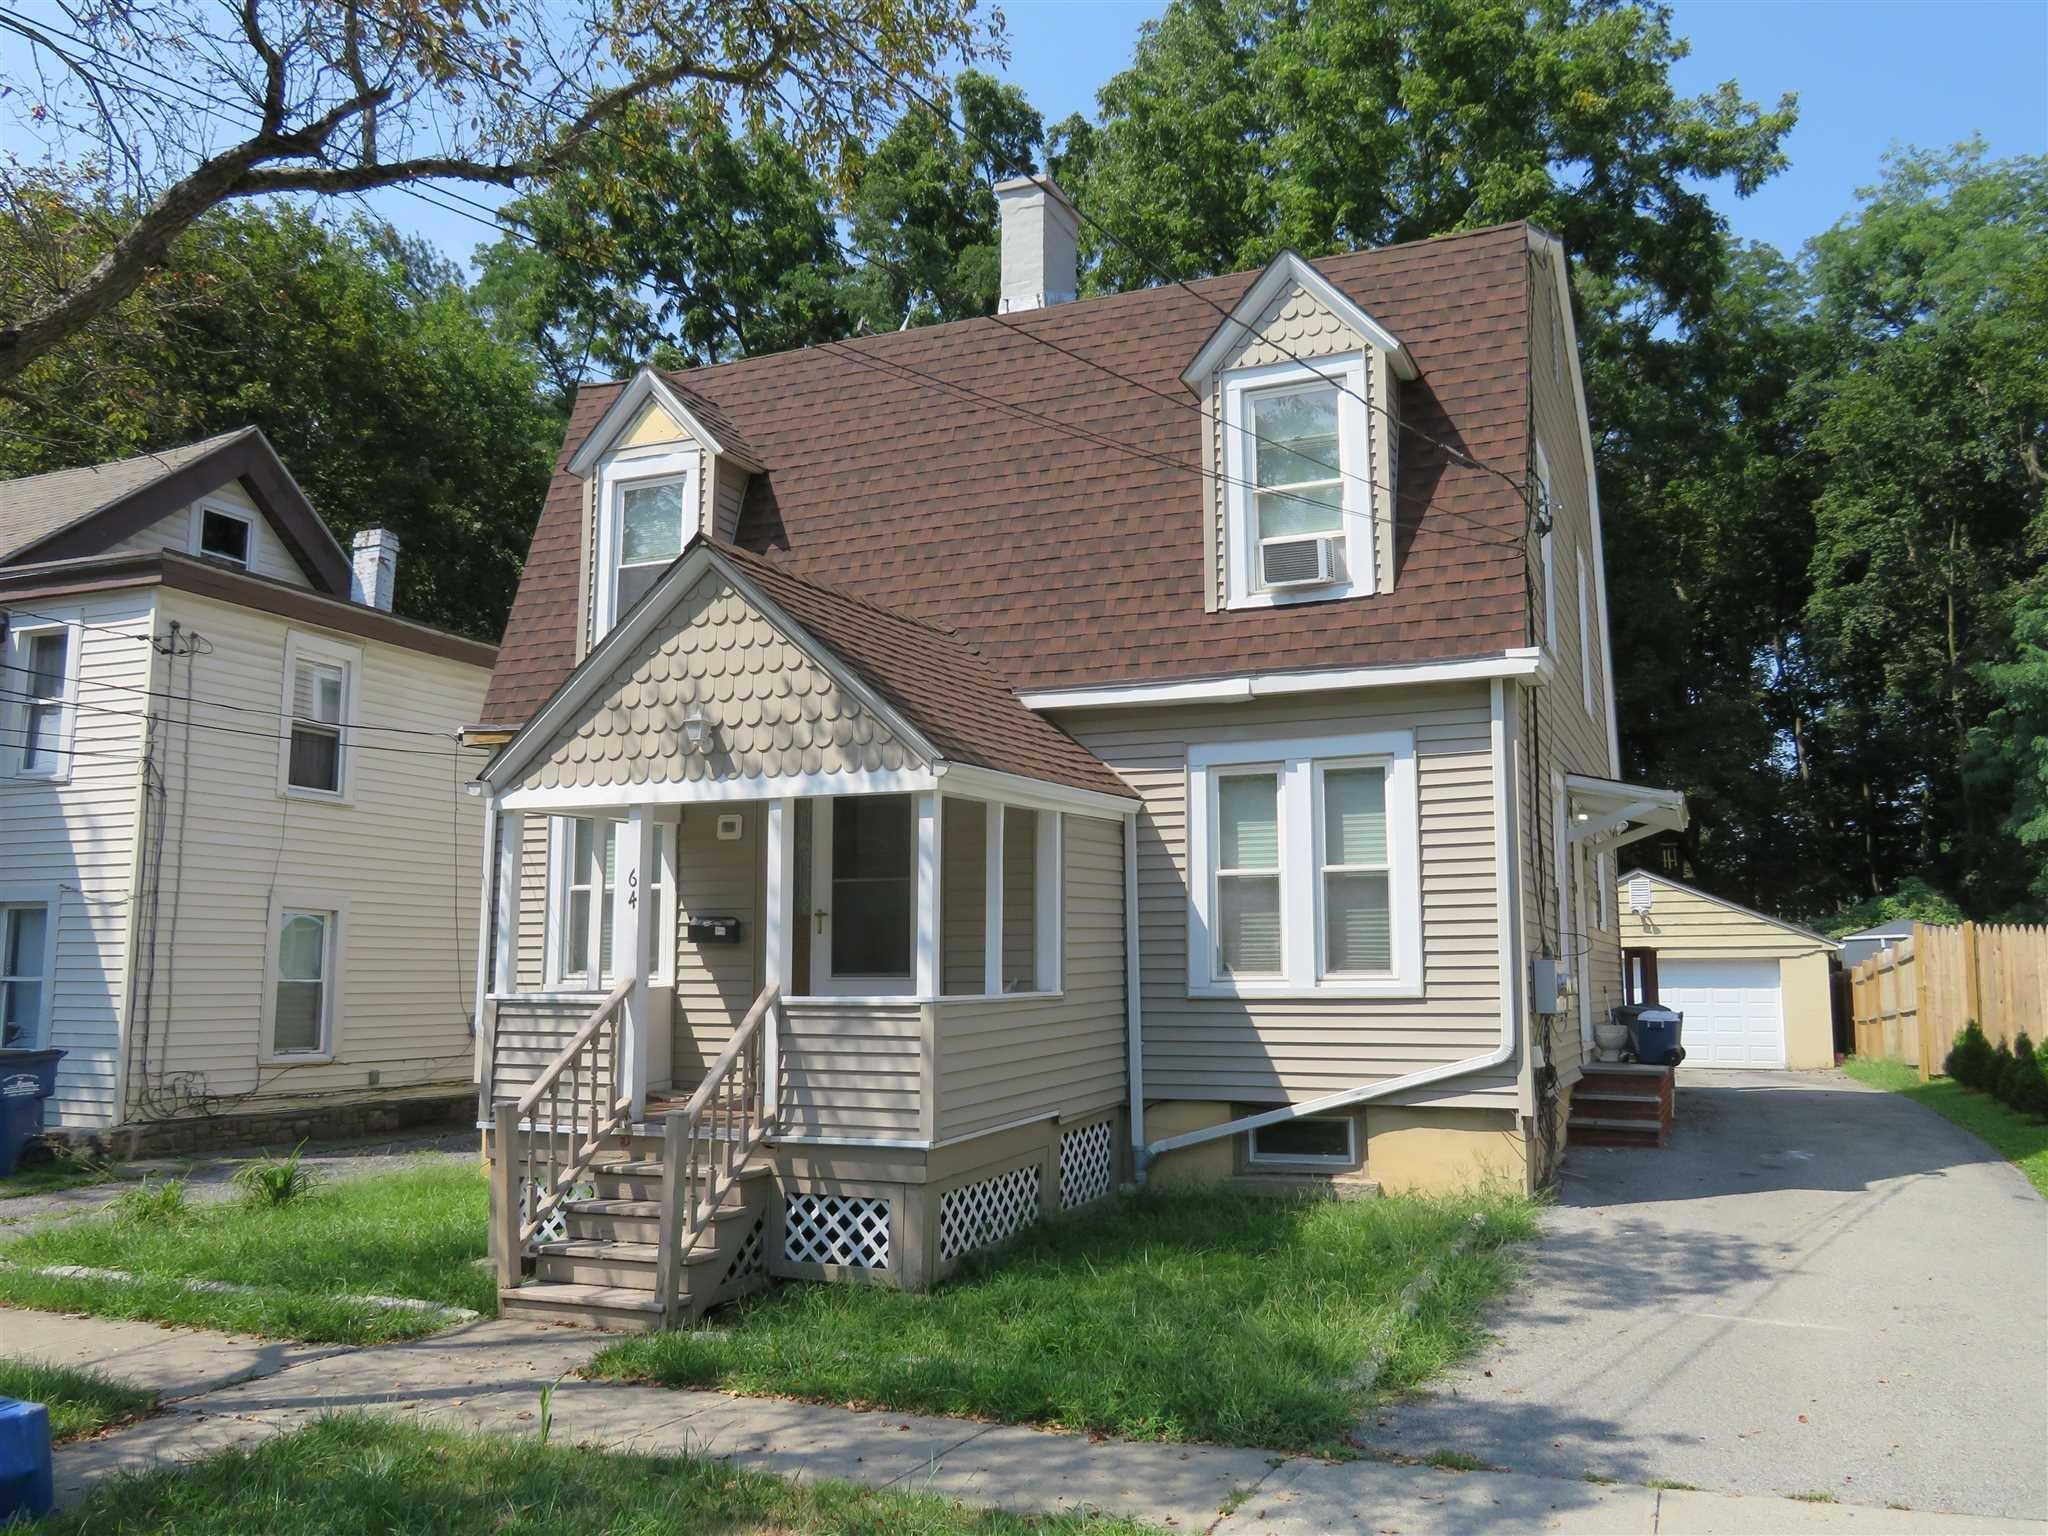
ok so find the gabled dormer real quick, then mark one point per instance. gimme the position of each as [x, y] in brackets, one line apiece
[1300, 387]
[659, 467]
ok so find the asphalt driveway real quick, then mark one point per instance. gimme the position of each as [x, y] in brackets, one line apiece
[1816, 1288]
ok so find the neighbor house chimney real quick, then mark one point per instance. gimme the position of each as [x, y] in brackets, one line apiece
[376, 568]
[1039, 236]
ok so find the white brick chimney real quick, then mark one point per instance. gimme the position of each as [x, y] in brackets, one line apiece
[375, 568]
[1040, 238]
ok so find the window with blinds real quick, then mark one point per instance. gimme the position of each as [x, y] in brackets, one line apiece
[319, 696]
[1248, 933]
[1358, 934]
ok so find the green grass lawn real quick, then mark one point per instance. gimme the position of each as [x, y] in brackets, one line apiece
[1191, 1315]
[80, 1402]
[2018, 1138]
[363, 1476]
[50, 1174]
[414, 1234]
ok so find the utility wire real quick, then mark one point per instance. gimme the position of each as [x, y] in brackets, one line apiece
[235, 730]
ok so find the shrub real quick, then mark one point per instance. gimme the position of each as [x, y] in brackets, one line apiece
[272, 1182]
[1969, 1058]
[2025, 1087]
[151, 1204]
[1994, 1070]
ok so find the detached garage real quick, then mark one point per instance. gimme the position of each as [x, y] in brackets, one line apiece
[1753, 989]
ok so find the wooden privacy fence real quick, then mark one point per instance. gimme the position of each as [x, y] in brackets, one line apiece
[1910, 1002]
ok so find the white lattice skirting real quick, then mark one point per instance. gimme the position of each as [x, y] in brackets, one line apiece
[556, 1228]
[852, 1230]
[1087, 1164]
[752, 1255]
[976, 1215]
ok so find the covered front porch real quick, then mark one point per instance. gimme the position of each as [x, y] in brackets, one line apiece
[805, 940]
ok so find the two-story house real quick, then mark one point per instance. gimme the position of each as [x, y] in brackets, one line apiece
[232, 808]
[1166, 735]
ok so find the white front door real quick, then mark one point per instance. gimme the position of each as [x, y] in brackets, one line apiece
[1734, 1010]
[864, 896]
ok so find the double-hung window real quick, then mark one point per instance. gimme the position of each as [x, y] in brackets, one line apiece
[319, 708]
[1304, 867]
[42, 682]
[26, 931]
[586, 910]
[648, 510]
[304, 968]
[1298, 483]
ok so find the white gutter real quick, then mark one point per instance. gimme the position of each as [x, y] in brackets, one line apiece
[1520, 662]
[1134, 1011]
[1507, 908]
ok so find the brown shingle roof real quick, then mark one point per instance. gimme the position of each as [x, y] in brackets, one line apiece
[934, 679]
[36, 506]
[1066, 562]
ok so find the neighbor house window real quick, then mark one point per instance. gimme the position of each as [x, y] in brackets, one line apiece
[1298, 483]
[43, 678]
[302, 1010]
[1305, 863]
[224, 536]
[320, 703]
[25, 932]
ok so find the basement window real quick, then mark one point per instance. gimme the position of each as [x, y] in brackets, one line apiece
[1321, 1141]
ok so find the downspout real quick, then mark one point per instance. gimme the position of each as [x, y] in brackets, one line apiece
[1134, 1012]
[1507, 906]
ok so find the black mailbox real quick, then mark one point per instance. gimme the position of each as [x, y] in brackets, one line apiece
[713, 930]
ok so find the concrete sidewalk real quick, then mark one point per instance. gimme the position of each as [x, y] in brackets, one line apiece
[488, 1377]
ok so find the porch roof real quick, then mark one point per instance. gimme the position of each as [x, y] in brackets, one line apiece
[1608, 813]
[927, 685]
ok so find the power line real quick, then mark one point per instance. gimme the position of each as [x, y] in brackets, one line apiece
[235, 730]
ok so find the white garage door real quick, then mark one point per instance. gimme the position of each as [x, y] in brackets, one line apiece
[1734, 1012]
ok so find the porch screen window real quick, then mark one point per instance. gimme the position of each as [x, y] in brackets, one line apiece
[1248, 930]
[872, 885]
[650, 536]
[43, 741]
[1295, 448]
[318, 691]
[299, 1022]
[1357, 920]
[23, 986]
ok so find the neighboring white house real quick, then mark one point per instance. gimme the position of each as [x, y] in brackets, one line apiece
[237, 865]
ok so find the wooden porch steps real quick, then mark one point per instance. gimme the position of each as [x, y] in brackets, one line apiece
[1622, 1104]
[614, 1308]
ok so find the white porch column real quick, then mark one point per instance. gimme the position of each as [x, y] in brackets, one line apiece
[636, 877]
[508, 860]
[992, 903]
[778, 919]
[925, 950]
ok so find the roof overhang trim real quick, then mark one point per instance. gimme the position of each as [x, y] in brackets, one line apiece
[1606, 814]
[644, 386]
[1284, 271]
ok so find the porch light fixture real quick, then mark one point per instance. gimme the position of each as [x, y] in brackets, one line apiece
[694, 729]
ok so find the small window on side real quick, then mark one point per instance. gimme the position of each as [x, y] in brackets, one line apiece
[1320, 1140]
[300, 1014]
[319, 690]
[48, 690]
[223, 536]
[24, 988]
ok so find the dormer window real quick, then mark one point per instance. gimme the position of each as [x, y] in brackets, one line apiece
[1298, 483]
[649, 512]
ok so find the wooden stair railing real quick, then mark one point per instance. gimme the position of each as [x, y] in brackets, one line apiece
[708, 1143]
[548, 1138]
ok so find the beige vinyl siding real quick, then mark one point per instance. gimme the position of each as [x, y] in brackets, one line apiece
[1279, 1050]
[729, 493]
[80, 837]
[400, 857]
[267, 553]
[1001, 1059]
[853, 1070]
[530, 964]
[963, 897]
[715, 984]
[1567, 739]
[528, 1034]
[1020, 901]
[1686, 923]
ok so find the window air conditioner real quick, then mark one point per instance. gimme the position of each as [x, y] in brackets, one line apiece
[1304, 560]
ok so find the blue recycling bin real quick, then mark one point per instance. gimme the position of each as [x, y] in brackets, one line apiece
[1653, 1036]
[27, 1081]
[27, 1487]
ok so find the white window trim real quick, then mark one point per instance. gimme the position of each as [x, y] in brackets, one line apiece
[635, 466]
[1585, 636]
[336, 962]
[1354, 456]
[298, 647]
[1549, 550]
[561, 849]
[51, 899]
[1257, 1159]
[227, 510]
[19, 644]
[1301, 867]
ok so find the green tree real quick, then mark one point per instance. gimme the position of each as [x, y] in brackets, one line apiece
[357, 353]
